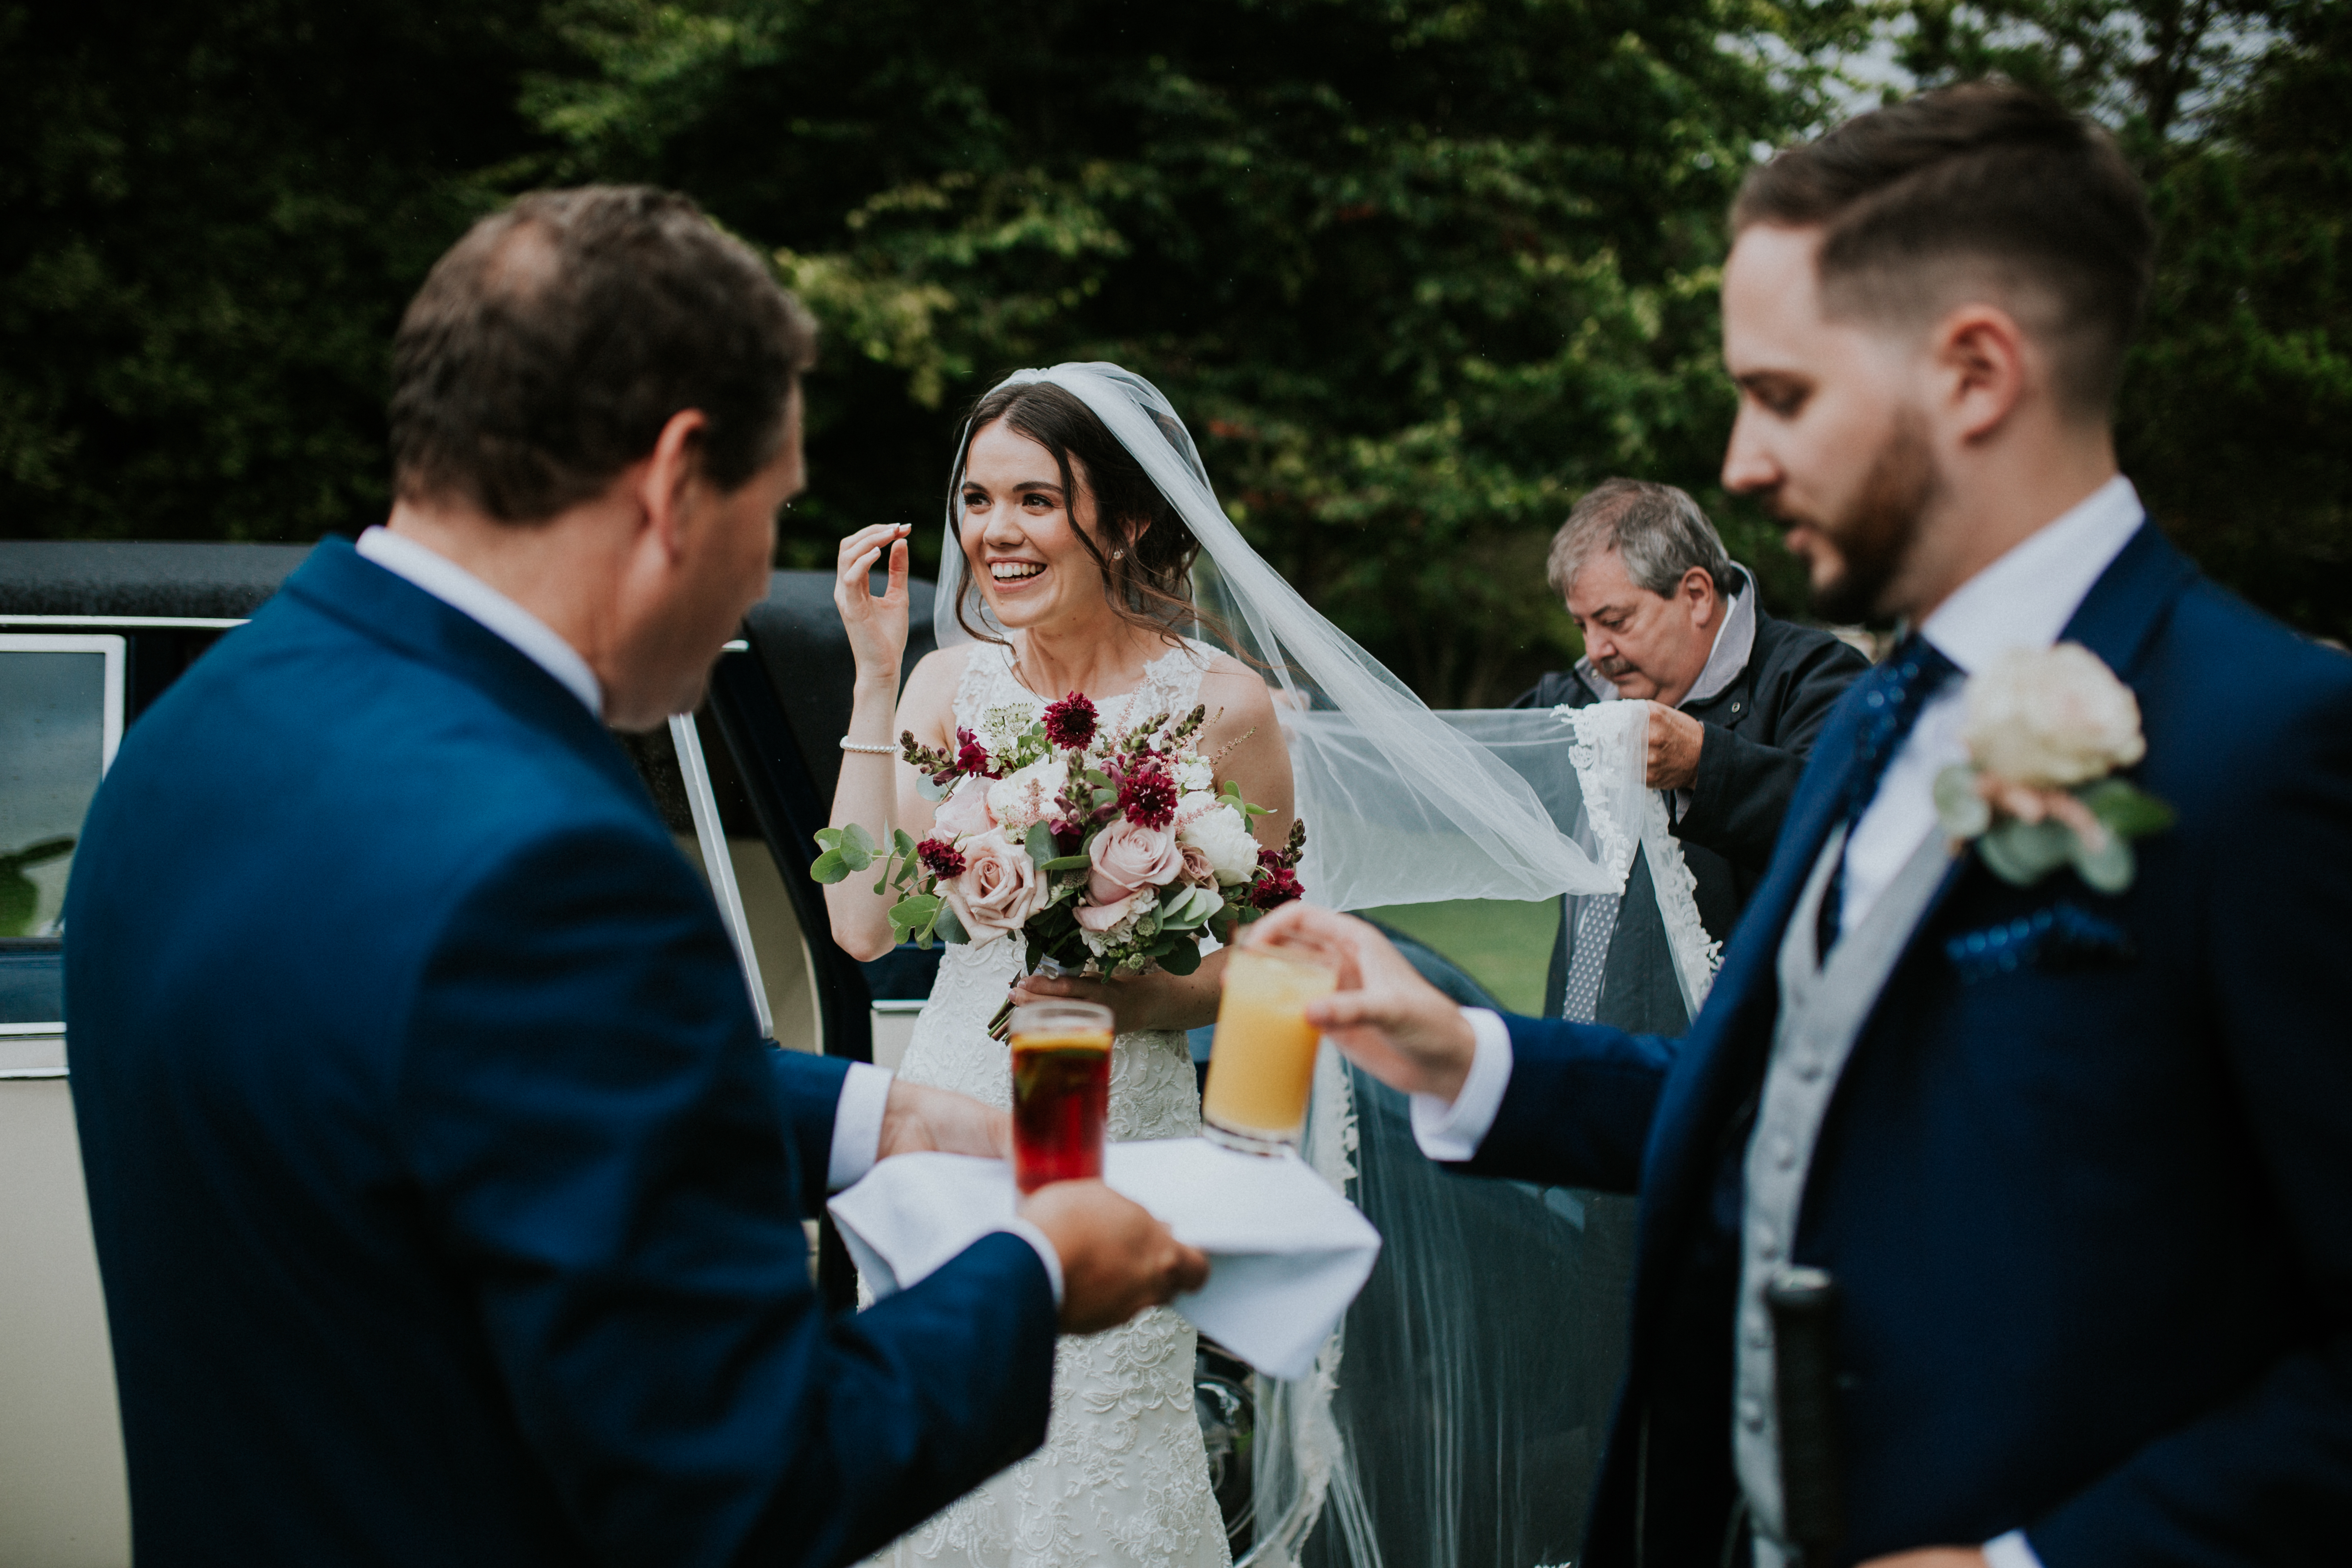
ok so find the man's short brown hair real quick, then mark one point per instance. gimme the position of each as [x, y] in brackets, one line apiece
[1982, 185]
[550, 346]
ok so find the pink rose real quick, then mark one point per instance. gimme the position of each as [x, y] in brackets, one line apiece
[1197, 869]
[1102, 917]
[998, 890]
[964, 812]
[1128, 858]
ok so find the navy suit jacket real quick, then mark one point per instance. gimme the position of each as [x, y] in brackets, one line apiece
[2086, 1183]
[448, 1205]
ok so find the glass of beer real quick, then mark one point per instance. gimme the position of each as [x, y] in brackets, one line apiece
[1262, 1065]
[1061, 1091]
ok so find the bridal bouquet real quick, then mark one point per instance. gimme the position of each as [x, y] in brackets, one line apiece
[1106, 850]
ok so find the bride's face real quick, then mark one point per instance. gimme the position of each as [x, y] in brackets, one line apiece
[1018, 531]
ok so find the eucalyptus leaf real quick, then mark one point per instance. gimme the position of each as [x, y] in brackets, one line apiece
[1181, 959]
[929, 791]
[1040, 843]
[947, 928]
[829, 868]
[2023, 853]
[1066, 863]
[1960, 811]
[2107, 870]
[902, 843]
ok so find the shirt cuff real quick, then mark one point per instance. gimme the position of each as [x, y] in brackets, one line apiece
[2011, 1551]
[1453, 1132]
[857, 1125]
[1053, 1259]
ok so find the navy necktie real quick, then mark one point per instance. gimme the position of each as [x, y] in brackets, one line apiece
[1893, 695]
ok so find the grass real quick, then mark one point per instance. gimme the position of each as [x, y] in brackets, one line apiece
[1504, 946]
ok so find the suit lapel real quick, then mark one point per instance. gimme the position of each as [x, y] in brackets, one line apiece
[2125, 607]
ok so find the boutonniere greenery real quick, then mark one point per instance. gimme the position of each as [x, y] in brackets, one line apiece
[2046, 730]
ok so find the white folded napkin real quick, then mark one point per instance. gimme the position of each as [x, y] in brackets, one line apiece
[1287, 1254]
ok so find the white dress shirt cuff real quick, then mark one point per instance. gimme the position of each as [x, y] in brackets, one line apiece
[2011, 1551]
[1053, 1259]
[857, 1125]
[1453, 1132]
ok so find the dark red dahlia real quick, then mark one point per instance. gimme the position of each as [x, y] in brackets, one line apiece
[1148, 796]
[971, 757]
[1276, 886]
[939, 857]
[1070, 723]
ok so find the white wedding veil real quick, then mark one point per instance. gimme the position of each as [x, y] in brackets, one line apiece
[1401, 807]
[1483, 1354]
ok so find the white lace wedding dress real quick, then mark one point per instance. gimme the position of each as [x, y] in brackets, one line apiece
[1123, 1479]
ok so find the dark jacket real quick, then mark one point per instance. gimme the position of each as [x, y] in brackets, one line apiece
[448, 1205]
[2082, 1182]
[1760, 730]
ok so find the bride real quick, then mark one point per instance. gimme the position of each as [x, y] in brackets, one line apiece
[1083, 570]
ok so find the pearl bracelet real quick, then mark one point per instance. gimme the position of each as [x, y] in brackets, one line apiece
[849, 745]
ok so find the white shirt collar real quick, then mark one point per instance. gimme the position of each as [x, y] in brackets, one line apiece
[1734, 640]
[462, 591]
[2025, 598]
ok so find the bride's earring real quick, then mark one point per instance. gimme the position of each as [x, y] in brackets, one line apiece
[1118, 555]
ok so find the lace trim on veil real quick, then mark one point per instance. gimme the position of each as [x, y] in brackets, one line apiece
[1611, 754]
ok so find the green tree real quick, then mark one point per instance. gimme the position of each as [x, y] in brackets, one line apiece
[214, 215]
[1416, 274]
[2239, 387]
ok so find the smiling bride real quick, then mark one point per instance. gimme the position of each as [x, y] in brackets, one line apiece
[1082, 570]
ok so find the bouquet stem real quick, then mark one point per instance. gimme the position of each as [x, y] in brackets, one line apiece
[1001, 1026]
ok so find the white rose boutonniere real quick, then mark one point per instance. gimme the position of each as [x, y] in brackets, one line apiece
[2046, 729]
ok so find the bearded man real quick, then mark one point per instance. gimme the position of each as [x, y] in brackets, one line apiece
[1992, 1210]
[1735, 697]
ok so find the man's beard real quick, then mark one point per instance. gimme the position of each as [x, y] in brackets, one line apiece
[1873, 538]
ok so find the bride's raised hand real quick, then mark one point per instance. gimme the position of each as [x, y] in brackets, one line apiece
[876, 626]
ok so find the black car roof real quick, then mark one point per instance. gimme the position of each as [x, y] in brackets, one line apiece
[116, 577]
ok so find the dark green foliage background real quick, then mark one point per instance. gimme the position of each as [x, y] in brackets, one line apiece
[1416, 273]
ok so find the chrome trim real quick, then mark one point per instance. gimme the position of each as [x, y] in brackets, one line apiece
[58, 1028]
[27, 1074]
[24, 1055]
[899, 1006]
[717, 864]
[196, 622]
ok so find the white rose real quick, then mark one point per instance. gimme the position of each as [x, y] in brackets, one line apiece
[1021, 799]
[1224, 839]
[1194, 774]
[2051, 718]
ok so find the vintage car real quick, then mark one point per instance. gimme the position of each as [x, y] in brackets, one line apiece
[1478, 1369]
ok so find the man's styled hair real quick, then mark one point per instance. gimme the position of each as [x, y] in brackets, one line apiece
[550, 346]
[1656, 530]
[1988, 186]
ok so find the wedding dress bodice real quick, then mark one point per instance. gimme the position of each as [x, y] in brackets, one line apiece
[1123, 1478]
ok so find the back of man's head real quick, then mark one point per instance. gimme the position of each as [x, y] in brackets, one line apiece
[1982, 191]
[551, 345]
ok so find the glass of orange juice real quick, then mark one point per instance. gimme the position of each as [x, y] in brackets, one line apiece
[1262, 1064]
[1061, 1091]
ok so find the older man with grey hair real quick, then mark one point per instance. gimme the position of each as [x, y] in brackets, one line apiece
[1735, 697]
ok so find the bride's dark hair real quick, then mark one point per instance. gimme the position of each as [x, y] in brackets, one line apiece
[1148, 586]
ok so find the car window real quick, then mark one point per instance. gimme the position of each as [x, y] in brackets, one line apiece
[60, 719]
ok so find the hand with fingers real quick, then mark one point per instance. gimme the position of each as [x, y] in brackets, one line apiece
[1384, 1017]
[1116, 1258]
[877, 625]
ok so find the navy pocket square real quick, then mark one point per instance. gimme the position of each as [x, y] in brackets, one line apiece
[2065, 936]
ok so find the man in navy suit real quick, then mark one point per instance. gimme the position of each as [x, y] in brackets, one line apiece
[2069, 1171]
[448, 1205]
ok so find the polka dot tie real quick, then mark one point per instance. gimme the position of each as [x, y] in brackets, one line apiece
[1892, 698]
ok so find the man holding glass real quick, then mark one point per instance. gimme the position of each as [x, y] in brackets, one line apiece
[448, 1205]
